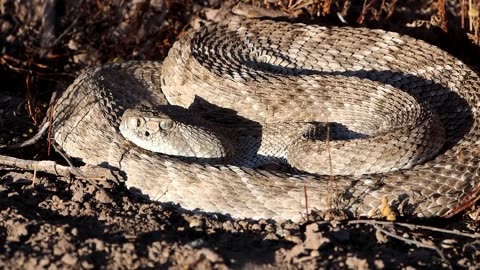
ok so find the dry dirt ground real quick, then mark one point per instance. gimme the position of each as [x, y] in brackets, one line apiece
[62, 223]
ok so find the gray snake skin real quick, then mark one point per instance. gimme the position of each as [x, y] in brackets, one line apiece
[274, 72]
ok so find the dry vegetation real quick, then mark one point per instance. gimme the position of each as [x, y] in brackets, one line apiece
[383, 9]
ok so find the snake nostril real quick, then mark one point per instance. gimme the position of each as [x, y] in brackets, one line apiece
[147, 134]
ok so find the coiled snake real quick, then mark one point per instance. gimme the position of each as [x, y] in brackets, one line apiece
[371, 83]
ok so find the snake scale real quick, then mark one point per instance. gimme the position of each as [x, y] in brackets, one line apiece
[273, 72]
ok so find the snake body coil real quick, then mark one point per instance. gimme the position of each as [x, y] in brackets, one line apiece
[369, 82]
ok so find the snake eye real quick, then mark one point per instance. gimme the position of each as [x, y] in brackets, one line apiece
[134, 122]
[166, 124]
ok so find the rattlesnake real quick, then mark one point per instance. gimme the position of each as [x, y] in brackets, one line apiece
[291, 73]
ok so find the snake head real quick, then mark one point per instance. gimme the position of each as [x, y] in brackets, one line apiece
[173, 131]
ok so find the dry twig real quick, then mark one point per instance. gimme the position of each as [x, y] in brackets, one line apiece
[413, 227]
[86, 172]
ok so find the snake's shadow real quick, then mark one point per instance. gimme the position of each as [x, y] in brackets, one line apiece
[248, 134]
[244, 134]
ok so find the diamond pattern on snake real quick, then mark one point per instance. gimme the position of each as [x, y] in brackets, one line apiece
[389, 116]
